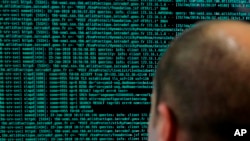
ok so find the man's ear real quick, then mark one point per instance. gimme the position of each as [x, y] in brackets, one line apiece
[166, 127]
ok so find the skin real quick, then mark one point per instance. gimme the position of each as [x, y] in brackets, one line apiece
[162, 126]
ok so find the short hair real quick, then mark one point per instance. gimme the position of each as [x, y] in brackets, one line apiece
[203, 82]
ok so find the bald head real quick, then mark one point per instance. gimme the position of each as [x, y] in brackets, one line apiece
[237, 31]
[204, 77]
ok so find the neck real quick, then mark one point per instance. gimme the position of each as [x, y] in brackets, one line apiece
[182, 136]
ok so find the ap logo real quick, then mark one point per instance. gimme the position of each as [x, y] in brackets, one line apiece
[240, 132]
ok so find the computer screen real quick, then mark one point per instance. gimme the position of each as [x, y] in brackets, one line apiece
[82, 70]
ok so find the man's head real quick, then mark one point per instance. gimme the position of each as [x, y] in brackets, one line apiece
[202, 84]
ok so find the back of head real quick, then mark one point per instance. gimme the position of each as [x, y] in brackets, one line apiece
[204, 77]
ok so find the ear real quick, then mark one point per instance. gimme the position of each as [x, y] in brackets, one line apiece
[166, 126]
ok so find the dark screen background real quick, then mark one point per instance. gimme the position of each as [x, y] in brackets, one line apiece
[82, 70]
